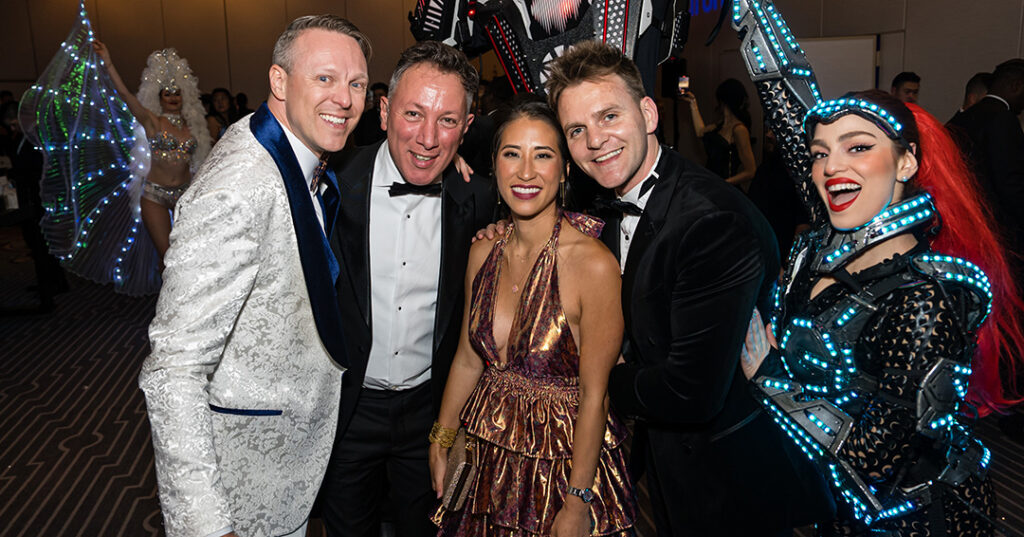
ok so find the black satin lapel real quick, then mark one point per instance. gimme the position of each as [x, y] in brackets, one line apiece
[610, 232]
[650, 224]
[354, 182]
[456, 234]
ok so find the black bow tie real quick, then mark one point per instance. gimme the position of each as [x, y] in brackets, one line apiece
[623, 207]
[401, 189]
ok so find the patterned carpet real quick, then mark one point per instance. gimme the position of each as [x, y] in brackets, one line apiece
[75, 453]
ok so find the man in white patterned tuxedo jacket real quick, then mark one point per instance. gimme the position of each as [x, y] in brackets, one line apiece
[244, 380]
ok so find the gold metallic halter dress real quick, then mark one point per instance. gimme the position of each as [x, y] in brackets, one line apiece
[522, 413]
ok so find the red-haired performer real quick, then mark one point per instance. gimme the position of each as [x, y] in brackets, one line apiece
[893, 325]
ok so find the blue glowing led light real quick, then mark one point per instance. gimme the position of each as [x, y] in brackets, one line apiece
[786, 34]
[776, 384]
[759, 57]
[897, 510]
[846, 398]
[803, 440]
[825, 110]
[821, 424]
[846, 316]
[944, 421]
[955, 269]
[769, 31]
[846, 247]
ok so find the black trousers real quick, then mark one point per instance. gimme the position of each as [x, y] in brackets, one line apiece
[379, 470]
[663, 512]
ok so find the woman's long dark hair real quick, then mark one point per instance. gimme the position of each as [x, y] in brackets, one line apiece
[732, 95]
[532, 106]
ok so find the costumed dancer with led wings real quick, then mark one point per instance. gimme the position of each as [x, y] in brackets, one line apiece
[169, 109]
[897, 310]
[96, 158]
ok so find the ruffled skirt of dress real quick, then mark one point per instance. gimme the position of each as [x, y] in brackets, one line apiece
[523, 428]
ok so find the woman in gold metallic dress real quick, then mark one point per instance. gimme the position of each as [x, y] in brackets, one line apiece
[542, 330]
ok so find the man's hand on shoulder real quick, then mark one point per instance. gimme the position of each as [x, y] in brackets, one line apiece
[463, 167]
[491, 231]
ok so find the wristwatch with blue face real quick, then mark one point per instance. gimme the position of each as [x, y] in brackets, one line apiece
[584, 494]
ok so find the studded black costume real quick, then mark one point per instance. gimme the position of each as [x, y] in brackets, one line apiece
[871, 375]
[872, 372]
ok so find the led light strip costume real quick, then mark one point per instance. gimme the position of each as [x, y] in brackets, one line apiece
[840, 388]
[526, 34]
[93, 168]
[785, 84]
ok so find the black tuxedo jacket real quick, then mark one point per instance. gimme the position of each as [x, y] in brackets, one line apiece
[992, 140]
[702, 257]
[465, 208]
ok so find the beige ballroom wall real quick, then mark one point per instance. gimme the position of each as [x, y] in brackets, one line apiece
[227, 42]
[943, 41]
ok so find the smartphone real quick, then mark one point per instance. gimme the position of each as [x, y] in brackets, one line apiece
[684, 84]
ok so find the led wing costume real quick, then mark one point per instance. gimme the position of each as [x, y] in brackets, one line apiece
[92, 178]
[872, 375]
[527, 34]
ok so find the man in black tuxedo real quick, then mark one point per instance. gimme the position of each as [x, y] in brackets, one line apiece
[697, 258]
[403, 234]
[991, 136]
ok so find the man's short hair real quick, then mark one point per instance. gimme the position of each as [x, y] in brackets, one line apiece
[443, 58]
[1006, 74]
[905, 76]
[979, 84]
[588, 61]
[331, 23]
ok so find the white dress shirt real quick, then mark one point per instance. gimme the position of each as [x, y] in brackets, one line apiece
[308, 162]
[627, 227]
[405, 267]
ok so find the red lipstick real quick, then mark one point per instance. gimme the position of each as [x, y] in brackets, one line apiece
[841, 200]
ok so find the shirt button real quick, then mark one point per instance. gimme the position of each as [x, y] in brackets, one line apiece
[396, 353]
[408, 216]
[399, 308]
[403, 263]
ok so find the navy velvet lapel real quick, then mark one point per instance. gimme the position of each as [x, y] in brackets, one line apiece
[318, 264]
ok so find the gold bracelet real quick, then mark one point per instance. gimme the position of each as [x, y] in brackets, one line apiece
[442, 436]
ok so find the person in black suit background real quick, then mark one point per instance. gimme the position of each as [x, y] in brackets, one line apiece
[697, 257]
[975, 90]
[404, 231]
[992, 139]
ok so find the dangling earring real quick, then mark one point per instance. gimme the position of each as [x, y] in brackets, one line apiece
[561, 193]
